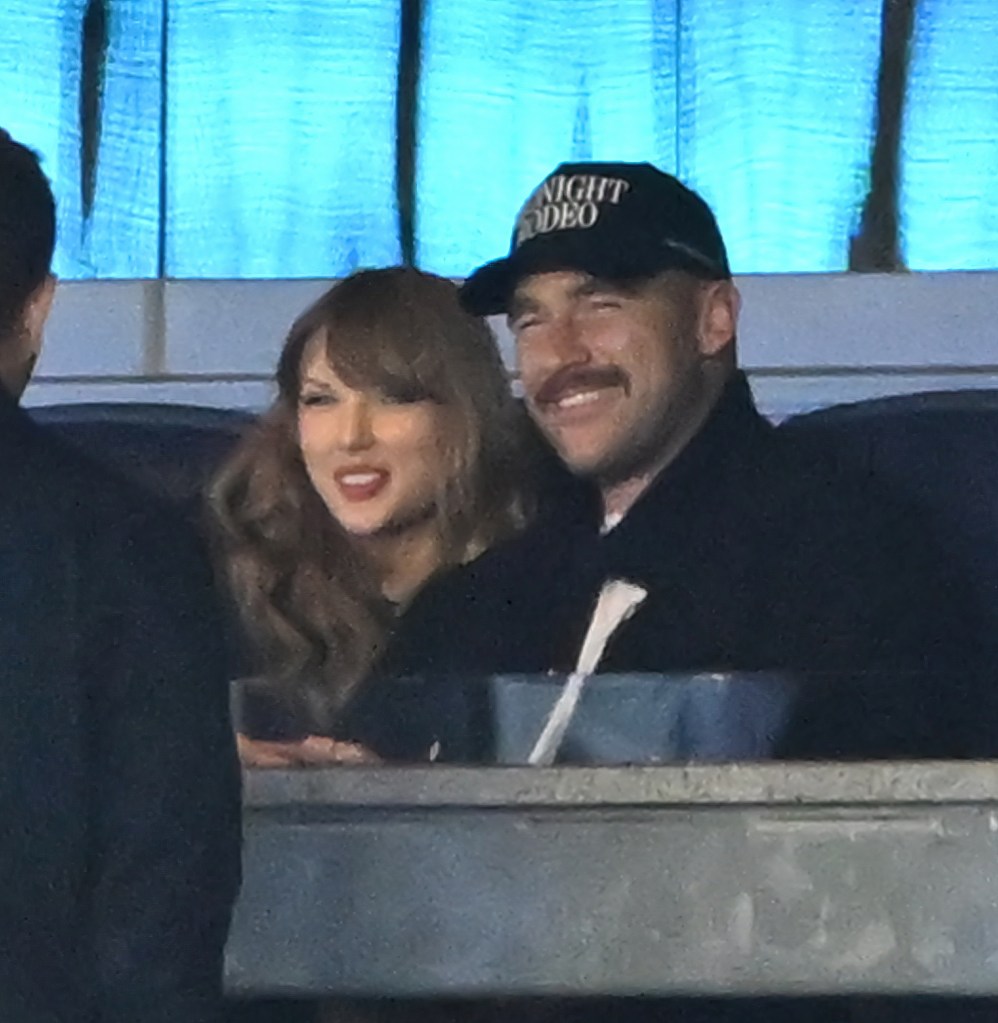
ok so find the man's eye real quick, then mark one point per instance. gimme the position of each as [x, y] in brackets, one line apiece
[605, 302]
[523, 323]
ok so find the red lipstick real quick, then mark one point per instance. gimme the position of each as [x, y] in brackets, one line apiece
[361, 482]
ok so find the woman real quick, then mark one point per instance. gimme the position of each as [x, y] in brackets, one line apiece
[394, 450]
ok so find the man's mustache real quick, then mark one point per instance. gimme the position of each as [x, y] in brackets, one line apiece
[580, 378]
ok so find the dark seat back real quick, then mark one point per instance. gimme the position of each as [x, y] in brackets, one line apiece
[938, 450]
[170, 450]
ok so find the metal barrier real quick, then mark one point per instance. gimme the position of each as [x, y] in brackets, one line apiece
[752, 879]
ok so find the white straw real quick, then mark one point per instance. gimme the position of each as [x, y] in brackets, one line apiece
[618, 600]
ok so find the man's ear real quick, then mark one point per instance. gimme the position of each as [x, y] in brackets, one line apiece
[37, 311]
[720, 305]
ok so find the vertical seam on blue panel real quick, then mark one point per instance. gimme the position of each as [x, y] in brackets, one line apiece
[406, 124]
[678, 88]
[163, 85]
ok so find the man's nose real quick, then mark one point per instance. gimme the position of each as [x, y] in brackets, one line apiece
[559, 342]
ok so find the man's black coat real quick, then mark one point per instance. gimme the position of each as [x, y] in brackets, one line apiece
[757, 554]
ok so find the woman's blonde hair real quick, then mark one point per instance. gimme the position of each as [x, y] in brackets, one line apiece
[310, 600]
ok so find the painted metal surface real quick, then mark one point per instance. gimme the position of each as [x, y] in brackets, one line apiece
[737, 879]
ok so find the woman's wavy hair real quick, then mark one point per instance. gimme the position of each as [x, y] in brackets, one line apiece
[310, 600]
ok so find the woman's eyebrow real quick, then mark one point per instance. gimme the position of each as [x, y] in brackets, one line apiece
[316, 382]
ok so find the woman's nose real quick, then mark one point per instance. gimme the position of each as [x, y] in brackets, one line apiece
[358, 426]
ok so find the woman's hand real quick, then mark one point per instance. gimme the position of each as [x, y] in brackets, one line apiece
[312, 751]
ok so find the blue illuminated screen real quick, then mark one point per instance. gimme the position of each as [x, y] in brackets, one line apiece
[243, 139]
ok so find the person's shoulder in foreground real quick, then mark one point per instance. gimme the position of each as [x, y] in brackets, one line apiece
[119, 861]
[755, 553]
[116, 720]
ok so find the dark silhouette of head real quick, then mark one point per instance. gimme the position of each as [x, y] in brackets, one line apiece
[27, 241]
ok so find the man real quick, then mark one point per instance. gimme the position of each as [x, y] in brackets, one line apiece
[753, 552]
[119, 791]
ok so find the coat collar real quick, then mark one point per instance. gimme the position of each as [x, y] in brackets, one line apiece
[19, 433]
[8, 406]
[733, 428]
[10, 411]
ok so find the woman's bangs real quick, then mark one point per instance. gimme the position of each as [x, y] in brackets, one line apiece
[387, 356]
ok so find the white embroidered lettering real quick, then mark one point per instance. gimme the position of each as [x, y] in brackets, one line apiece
[575, 187]
[588, 214]
[551, 191]
[568, 201]
[569, 215]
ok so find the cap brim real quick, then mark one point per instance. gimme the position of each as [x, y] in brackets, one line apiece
[488, 290]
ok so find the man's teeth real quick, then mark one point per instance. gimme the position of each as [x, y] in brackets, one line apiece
[360, 479]
[579, 398]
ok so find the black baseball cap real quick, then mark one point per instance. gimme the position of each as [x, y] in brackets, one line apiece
[619, 221]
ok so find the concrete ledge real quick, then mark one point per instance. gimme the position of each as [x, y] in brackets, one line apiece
[794, 784]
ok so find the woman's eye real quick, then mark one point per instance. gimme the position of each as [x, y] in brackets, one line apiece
[313, 400]
[402, 396]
